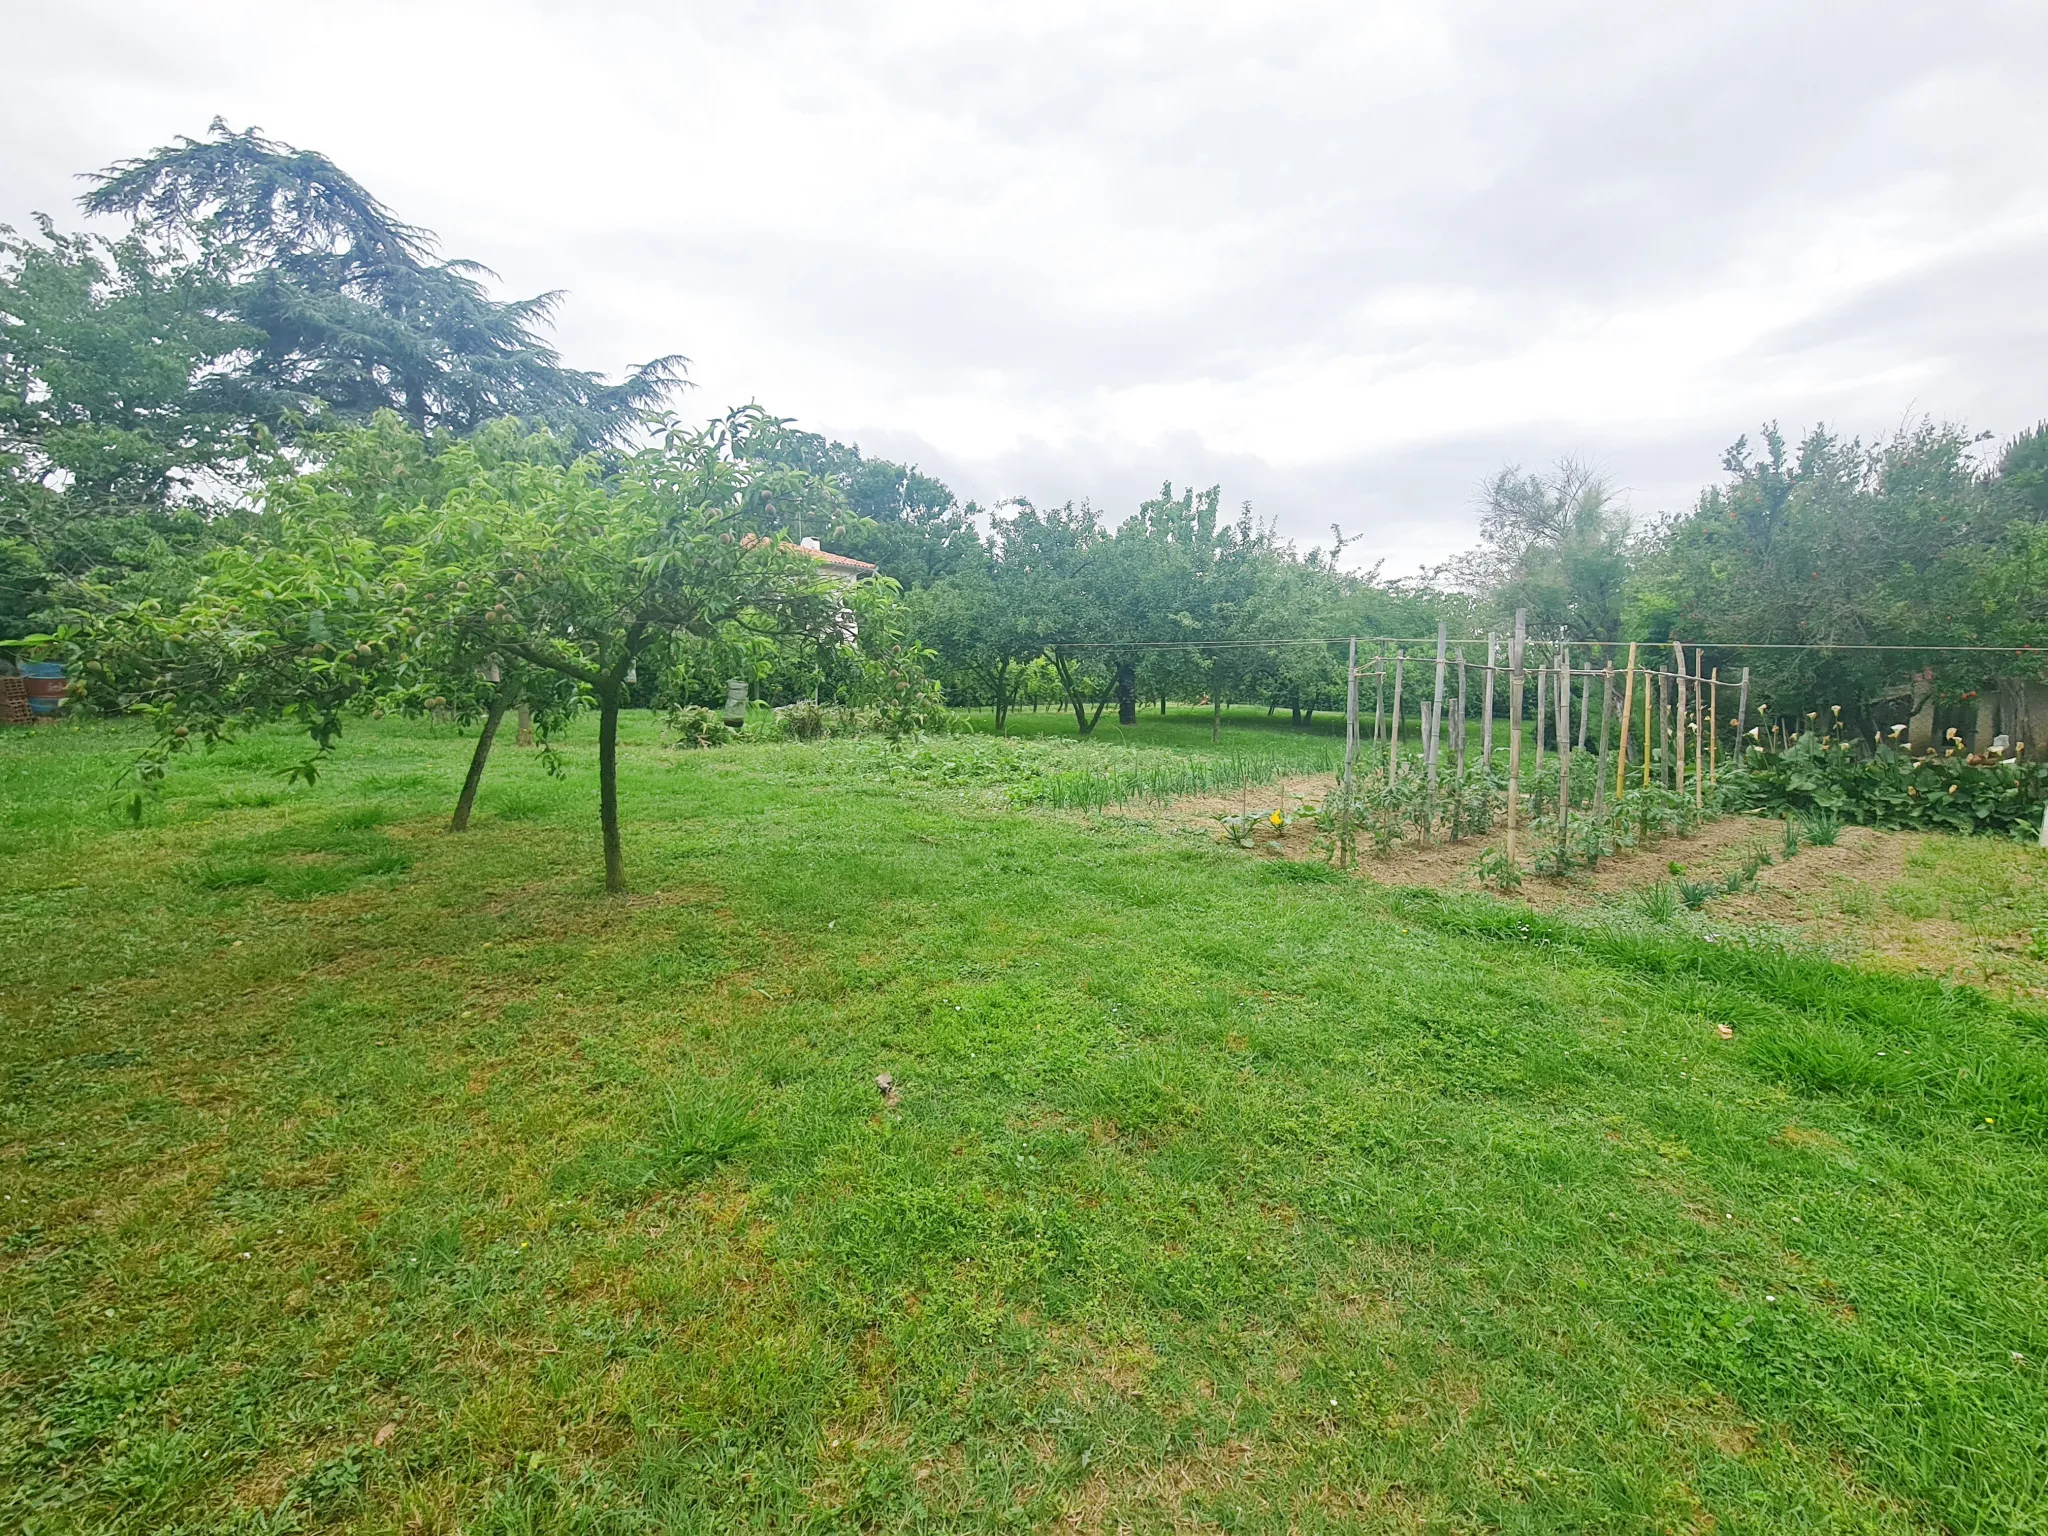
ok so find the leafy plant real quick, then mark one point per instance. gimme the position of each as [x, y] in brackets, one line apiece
[1242, 827]
[1658, 902]
[692, 726]
[1791, 837]
[1695, 893]
[1592, 840]
[1879, 785]
[1339, 819]
[1823, 829]
[1743, 876]
[1495, 868]
[1551, 858]
[801, 721]
[1390, 809]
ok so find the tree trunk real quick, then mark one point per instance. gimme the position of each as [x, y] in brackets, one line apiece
[608, 784]
[1002, 691]
[525, 738]
[1986, 725]
[1920, 730]
[500, 702]
[1083, 721]
[1126, 693]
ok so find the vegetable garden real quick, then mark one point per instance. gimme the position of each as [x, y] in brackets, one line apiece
[579, 972]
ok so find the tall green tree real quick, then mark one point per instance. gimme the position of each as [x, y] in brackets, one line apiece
[122, 430]
[893, 515]
[593, 576]
[1556, 544]
[351, 309]
[308, 615]
[1835, 544]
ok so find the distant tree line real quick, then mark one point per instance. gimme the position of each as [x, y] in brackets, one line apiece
[266, 323]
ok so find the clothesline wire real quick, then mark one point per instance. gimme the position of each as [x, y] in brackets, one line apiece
[1430, 640]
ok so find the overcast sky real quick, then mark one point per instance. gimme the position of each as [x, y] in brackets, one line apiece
[1343, 259]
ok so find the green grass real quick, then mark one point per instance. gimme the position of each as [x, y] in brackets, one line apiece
[1220, 1192]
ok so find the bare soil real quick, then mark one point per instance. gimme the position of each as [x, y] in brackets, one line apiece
[1834, 897]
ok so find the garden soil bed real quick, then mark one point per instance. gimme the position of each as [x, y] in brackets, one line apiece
[1831, 897]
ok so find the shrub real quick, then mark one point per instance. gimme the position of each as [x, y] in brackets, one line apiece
[692, 725]
[801, 721]
[1881, 786]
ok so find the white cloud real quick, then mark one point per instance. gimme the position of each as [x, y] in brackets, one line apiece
[1345, 258]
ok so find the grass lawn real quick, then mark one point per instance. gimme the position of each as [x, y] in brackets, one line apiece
[354, 1175]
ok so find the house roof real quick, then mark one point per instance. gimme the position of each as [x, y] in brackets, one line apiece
[839, 565]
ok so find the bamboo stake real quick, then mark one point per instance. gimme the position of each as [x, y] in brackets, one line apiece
[1678, 719]
[1458, 760]
[1379, 694]
[1628, 705]
[1585, 703]
[1436, 709]
[1394, 736]
[1542, 715]
[1486, 720]
[1515, 720]
[1742, 711]
[1564, 745]
[1350, 712]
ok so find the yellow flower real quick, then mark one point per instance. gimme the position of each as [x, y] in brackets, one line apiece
[1277, 819]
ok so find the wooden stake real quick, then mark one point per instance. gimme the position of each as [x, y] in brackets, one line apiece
[1458, 760]
[1628, 705]
[1699, 742]
[1486, 720]
[1394, 736]
[1742, 712]
[1351, 712]
[1564, 743]
[1436, 708]
[1515, 720]
[1678, 719]
[1379, 694]
[1542, 716]
[1714, 741]
[1646, 728]
[1664, 726]
[1606, 719]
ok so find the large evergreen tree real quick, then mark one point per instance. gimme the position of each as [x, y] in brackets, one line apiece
[354, 311]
